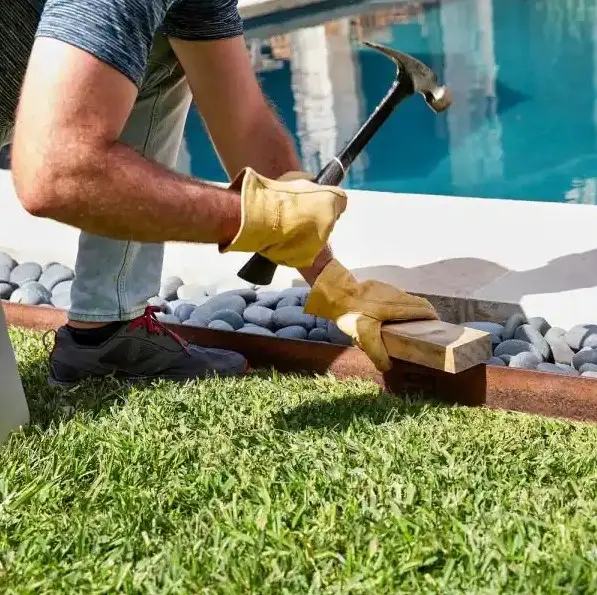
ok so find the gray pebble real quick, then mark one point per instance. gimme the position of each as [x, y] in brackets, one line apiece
[234, 319]
[589, 367]
[337, 337]
[489, 327]
[255, 330]
[578, 335]
[495, 361]
[299, 292]
[49, 264]
[158, 302]
[290, 300]
[248, 294]
[322, 322]
[5, 273]
[6, 290]
[512, 347]
[539, 323]
[172, 305]
[61, 300]
[589, 374]
[506, 358]
[169, 287]
[167, 318]
[259, 315]
[62, 287]
[291, 316]
[586, 356]
[495, 341]
[31, 293]
[220, 325]
[24, 272]
[560, 350]
[318, 334]
[526, 360]
[8, 260]
[268, 299]
[195, 323]
[528, 333]
[191, 293]
[555, 369]
[512, 324]
[292, 332]
[183, 311]
[54, 274]
[213, 304]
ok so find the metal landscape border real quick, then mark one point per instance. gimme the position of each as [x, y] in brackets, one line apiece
[516, 390]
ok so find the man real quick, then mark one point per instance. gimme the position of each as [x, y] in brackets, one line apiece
[98, 91]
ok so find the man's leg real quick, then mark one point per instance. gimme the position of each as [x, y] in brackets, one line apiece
[107, 329]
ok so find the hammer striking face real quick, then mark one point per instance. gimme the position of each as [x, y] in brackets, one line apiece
[422, 78]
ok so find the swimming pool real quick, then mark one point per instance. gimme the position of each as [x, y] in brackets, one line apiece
[523, 73]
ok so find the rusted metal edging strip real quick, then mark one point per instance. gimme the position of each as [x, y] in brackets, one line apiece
[497, 387]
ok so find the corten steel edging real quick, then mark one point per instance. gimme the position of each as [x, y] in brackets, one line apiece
[526, 391]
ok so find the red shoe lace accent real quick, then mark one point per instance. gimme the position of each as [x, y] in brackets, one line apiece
[153, 326]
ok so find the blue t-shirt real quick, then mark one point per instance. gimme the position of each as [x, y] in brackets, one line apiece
[118, 32]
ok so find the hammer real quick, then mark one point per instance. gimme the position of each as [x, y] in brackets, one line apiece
[412, 76]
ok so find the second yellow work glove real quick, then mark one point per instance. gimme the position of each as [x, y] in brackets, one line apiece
[288, 221]
[360, 308]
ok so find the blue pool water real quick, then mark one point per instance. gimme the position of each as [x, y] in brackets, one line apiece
[523, 74]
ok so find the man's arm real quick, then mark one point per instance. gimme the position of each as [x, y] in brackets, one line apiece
[68, 165]
[244, 127]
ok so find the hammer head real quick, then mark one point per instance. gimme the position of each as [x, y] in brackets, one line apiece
[423, 79]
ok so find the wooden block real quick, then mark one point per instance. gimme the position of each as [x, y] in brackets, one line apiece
[436, 344]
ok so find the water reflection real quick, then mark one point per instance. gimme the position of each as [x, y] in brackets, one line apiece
[524, 77]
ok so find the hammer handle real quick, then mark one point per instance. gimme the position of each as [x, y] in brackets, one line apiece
[260, 270]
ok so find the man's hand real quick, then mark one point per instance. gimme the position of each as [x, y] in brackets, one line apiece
[360, 308]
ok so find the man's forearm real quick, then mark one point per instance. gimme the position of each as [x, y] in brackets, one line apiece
[115, 192]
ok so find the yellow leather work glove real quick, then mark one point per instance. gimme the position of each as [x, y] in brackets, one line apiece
[360, 308]
[287, 221]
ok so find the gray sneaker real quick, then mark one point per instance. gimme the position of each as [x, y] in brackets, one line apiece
[142, 349]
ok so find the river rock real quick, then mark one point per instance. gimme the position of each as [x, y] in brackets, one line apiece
[555, 369]
[512, 347]
[259, 315]
[506, 358]
[159, 302]
[248, 294]
[582, 335]
[589, 367]
[220, 325]
[526, 332]
[54, 274]
[560, 350]
[7, 260]
[167, 318]
[318, 334]
[512, 324]
[540, 324]
[24, 272]
[6, 290]
[232, 318]
[183, 311]
[293, 316]
[4, 273]
[267, 299]
[589, 374]
[495, 361]
[61, 300]
[493, 328]
[32, 293]
[292, 332]
[322, 322]
[169, 287]
[338, 337]
[253, 329]
[525, 359]
[586, 356]
[191, 293]
[290, 300]
[62, 287]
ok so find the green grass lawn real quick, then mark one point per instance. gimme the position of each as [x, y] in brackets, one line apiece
[282, 484]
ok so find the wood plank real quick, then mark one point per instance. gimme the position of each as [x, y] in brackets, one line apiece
[436, 344]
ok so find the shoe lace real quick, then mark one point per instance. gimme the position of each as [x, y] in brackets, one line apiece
[153, 326]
